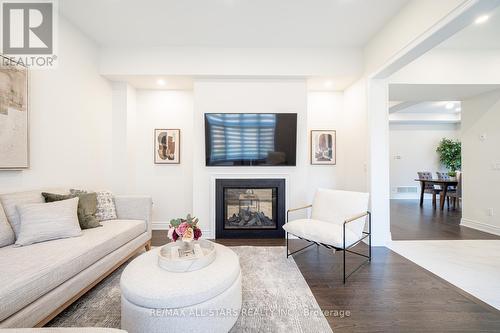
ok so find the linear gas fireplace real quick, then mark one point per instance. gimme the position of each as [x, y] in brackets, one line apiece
[250, 208]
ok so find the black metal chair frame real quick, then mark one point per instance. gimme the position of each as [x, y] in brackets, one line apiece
[345, 249]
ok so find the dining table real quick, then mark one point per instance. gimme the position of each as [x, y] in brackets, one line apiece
[445, 185]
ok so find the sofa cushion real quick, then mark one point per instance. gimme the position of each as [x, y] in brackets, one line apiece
[6, 233]
[87, 206]
[322, 232]
[29, 272]
[11, 200]
[47, 221]
[106, 209]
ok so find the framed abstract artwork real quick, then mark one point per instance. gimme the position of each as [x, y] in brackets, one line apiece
[14, 121]
[323, 147]
[167, 146]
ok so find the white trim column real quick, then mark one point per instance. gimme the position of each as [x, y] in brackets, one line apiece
[378, 119]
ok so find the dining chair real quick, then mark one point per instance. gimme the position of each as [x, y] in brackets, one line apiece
[456, 195]
[446, 176]
[338, 220]
[429, 188]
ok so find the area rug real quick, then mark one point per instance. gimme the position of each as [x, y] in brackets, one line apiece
[276, 298]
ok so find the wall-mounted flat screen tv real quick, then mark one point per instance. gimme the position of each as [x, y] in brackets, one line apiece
[250, 139]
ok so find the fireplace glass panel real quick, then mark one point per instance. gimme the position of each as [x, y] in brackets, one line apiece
[250, 208]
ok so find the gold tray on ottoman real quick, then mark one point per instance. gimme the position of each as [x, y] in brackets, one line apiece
[186, 256]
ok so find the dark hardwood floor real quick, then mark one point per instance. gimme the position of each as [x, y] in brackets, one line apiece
[391, 294]
[409, 221]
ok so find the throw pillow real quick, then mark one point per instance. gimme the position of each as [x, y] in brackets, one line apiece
[76, 192]
[47, 221]
[51, 197]
[106, 209]
[87, 206]
[11, 200]
[6, 233]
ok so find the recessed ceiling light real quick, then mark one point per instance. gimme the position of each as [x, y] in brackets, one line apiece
[328, 84]
[481, 19]
[450, 105]
[161, 82]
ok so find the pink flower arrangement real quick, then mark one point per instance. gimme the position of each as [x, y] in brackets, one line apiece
[185, 229]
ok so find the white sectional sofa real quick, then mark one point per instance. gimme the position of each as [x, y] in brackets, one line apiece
[38, 281]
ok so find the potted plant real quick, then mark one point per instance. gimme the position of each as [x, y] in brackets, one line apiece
[450, 155]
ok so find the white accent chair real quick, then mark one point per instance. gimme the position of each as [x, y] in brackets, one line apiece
[338, 220]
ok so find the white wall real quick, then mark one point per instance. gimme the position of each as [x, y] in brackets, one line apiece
[481, 162]
[124, 138]
[353, 144]
[171, 186]
[325, 110]
[187, 187]
[247, 96]
[70, 121]
[413, 149]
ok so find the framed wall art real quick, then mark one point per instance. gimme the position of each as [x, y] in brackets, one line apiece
[167, 146]
[323, 147]
[14, 120]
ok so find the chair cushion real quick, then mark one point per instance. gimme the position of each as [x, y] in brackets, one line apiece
[28, 273]
[336, 206]
[322, 232]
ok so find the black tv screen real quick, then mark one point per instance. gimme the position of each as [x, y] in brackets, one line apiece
[250, 139]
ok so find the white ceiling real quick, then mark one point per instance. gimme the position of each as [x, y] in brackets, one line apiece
[477, 36]
[231, 23]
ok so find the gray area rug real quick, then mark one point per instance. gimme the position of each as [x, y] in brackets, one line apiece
[276, 298]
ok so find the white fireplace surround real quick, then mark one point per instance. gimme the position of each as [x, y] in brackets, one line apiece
[209, 229]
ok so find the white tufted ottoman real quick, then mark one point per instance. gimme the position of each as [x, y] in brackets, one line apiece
[206, 300]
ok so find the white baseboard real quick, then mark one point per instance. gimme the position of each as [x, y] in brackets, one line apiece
[160, 225]
[489, 228]
[164, 226]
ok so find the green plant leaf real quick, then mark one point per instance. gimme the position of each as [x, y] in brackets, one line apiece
[450, 154]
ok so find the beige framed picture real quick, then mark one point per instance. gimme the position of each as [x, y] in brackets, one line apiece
[14, 120]
[323, 147]
[167, 146]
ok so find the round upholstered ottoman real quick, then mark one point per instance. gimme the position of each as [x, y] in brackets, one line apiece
[156, 300]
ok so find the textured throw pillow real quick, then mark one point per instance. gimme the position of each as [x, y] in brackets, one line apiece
[6, 233]
[47, 221]
[105, 204]
[87, 206]
[106, 209]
